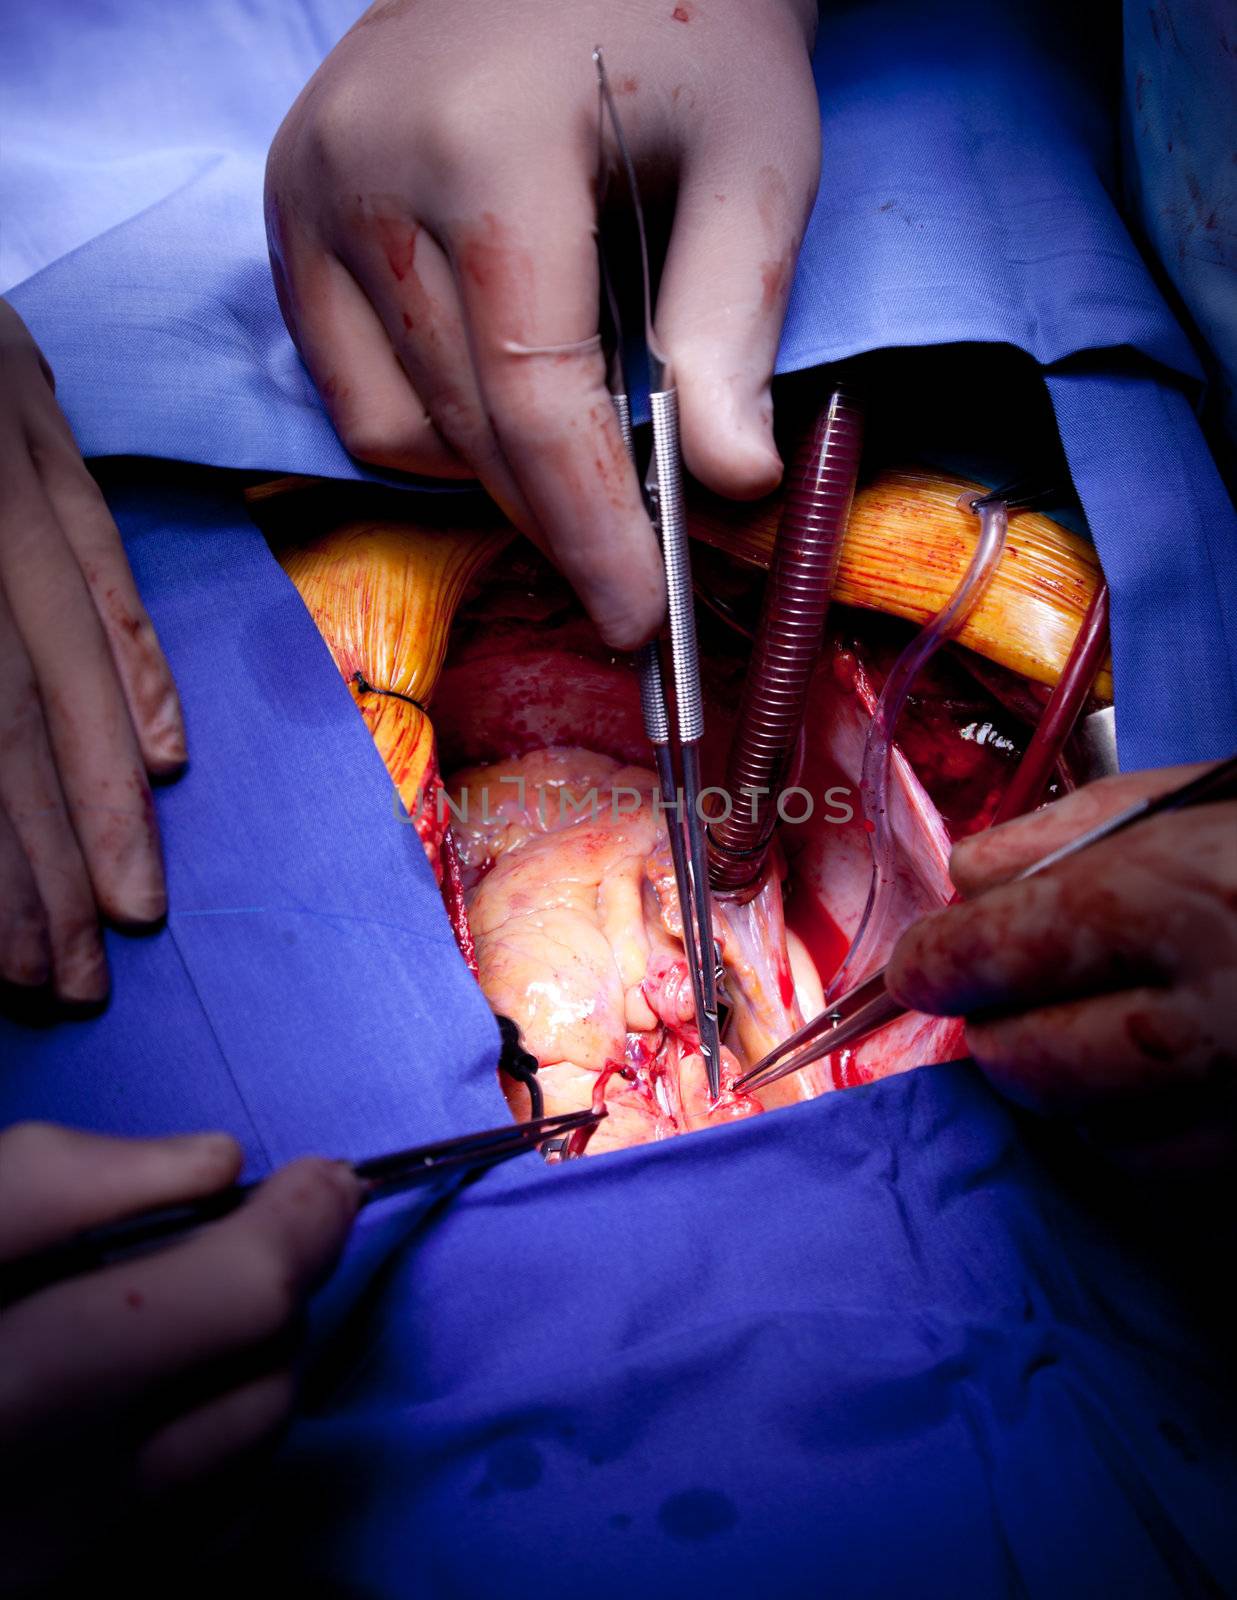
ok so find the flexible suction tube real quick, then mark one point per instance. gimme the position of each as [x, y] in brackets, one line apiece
[878, 746]
[819, 490]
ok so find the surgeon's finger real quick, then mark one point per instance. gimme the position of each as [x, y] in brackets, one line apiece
[374, 407]
[232, 1289]
[529, 286]
[90, 731]
[82, 513]
[1052, 937]
[996, 855]
[744, 197]
[213, 1435]
[1132, 1044]
[25, 949]
[55, 1181]
[410, 285]
[34, 805]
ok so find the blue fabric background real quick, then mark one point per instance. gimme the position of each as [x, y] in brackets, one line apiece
[872, 1347]
[306, 992]
[877, 1344]
[1180, 132]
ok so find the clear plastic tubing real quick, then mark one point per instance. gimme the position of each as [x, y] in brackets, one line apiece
[820, 487]
[874, 784]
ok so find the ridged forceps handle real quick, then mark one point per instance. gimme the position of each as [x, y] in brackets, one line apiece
[665, 487]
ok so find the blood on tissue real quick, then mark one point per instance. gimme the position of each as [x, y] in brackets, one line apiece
[846, 670]
[846, 1071]
[431, 818]
[644, 1075]
[819, 934]
[578, 1141]
[667, 989]
[732, 1106]
[649, 1069]
[453, 895]
[659, 1073]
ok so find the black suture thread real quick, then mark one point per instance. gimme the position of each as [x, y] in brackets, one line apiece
[520, 1064]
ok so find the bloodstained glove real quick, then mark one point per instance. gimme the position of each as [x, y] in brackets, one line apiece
[431, 207]
[120, 1387]
[88, 708]
[1104, 988]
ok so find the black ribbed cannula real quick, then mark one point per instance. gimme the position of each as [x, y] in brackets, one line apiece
[820, 486]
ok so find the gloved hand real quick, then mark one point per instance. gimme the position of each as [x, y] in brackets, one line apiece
[1103, 988]
[122, 1386]
[432, 193]
[87, 704]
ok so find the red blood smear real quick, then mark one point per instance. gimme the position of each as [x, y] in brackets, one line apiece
[430, 821]
[964, 775]
[962, 744]
[453, 895]
[603, 1078]
[847, 1072]
[773, 278]
[732, 1107]
[399, 244]
[489, 709]
[822, 938]
[577, 1141]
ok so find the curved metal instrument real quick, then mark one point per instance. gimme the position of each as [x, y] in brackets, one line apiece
[676, 746]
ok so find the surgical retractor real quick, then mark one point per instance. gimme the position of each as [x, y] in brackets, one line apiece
[820, 486]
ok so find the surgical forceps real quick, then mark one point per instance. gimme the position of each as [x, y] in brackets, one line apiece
[869, 1005]
[380, 1175]
[1024, 494]
[676, 747]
